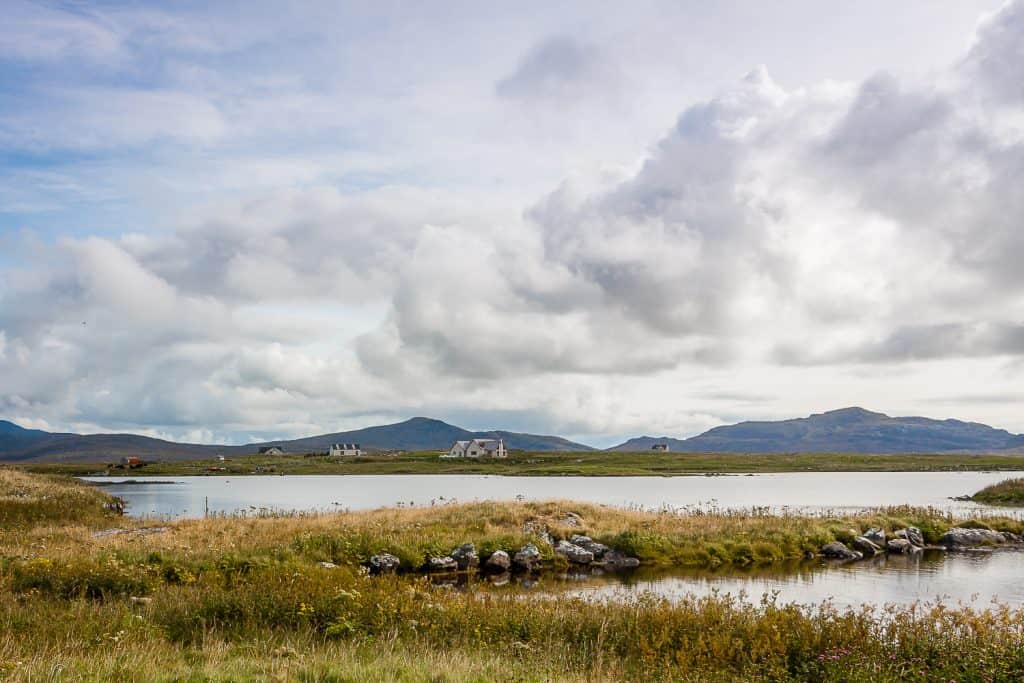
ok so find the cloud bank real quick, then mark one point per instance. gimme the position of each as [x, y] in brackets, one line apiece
[806, 247]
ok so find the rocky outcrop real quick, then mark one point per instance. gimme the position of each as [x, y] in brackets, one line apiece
[958, 537]
[384, 563]
[838, 551]
[465, 556]
[498, 562]
[574, 553]
[866, 546]
[527, 558]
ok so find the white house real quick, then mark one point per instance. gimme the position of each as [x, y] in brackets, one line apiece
[339, 450]
[476, 448]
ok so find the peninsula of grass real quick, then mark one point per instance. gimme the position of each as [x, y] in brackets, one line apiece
[1009, 492]
[593, 463]
[234, 598]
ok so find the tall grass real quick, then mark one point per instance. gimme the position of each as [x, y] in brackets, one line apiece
[32, 499]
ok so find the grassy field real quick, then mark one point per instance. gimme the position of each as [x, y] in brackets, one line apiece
[1008, 492]
[246, 599]
[562, 464]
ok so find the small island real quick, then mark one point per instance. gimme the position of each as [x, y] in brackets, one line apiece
[1008, 492]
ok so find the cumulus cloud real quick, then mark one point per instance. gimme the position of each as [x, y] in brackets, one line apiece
[851, 230]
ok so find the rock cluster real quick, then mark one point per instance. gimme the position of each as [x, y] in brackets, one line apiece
[911, 540]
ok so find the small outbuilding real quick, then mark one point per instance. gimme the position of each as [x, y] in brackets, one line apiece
[663, 447]
[271, 450]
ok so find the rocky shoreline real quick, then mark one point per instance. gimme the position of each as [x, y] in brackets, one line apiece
[909, 540]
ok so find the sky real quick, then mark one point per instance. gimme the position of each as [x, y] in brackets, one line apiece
[235, 221]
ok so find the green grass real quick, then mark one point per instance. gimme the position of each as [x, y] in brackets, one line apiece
[243, 599]
[563, 464]
[1009, 492]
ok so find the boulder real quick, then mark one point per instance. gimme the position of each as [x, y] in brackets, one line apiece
[574, 553]
[587, 543]
[465, 556]
[838, 551]
[971, 538]
[876, 536]
[442, 564]
[616, 560]
[901, 546]
[326, 565]
[384, 563]
[528, 557]
[864, 545]
[498, 562]
[912, 534]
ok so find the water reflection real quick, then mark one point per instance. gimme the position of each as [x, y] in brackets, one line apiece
[969, 577]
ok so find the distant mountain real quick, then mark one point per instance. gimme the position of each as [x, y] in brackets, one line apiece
[418, 433]
[849, 430]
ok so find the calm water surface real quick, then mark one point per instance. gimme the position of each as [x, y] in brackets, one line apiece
[802, 491]
[974, 578]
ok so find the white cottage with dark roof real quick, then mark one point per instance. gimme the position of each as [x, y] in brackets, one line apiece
[478, 448]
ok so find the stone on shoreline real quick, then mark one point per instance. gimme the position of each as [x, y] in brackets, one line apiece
[912, 534]
[498, 562]
[866, 546]
[465, 556]
[901, 546]
[587, 543]
[838, 550]
[528, 557]
[876, 536]
[616, 560]
[442, 564]
[384, 563]
[574, 553]
[958, 537]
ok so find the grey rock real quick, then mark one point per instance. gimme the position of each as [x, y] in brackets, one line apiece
[912, 534]
[587, 543]
[326, 565]
[528, 557]
[971, 538]
[442, 564]
[616, 560]
[865, 546]
[876, 536]
[839, 551]
[465, 556]
[574, 553]
[384, 563]
[901, 546]
[498, 562]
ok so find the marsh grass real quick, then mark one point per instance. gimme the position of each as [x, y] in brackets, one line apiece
[31, 499]
[244, 599]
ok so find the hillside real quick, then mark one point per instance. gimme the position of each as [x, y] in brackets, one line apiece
[419, 433]
[849, 430]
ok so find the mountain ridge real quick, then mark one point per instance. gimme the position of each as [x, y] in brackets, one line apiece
[846, 430]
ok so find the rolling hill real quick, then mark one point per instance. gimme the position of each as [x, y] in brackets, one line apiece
[848, 430]
[419, 433]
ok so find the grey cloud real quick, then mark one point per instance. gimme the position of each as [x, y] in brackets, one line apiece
[559, 67]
